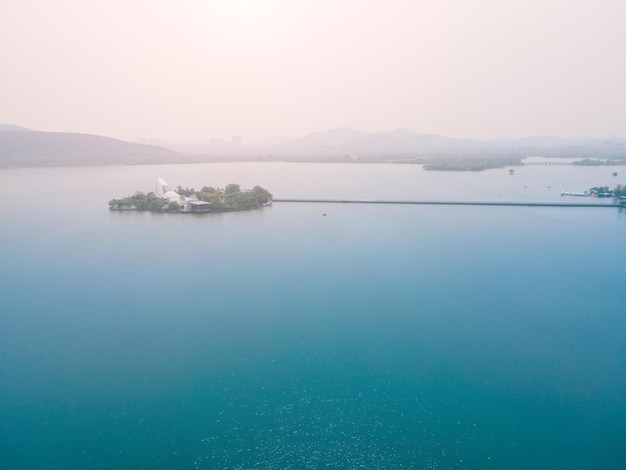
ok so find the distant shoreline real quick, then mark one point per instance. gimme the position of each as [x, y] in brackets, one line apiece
[435, 164]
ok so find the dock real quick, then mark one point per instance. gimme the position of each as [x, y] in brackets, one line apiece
[445, 203]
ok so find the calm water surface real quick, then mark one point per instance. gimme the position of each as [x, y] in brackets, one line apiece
[372, 337]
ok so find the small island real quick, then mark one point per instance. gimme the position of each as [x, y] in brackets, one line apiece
[618, 193]
[189, 200]
[471, 164]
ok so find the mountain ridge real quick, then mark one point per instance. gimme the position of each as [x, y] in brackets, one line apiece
[36, 148]
[22, 147]
[401, 142]
[13, 127]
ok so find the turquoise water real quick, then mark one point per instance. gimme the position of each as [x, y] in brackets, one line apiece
[372, 337]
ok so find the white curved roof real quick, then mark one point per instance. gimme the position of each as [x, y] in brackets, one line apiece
[173, 196]
[162, 188]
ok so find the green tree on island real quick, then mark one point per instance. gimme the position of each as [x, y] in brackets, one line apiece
[232, 198]
[617, 192]
[139, 201]
[232, 188]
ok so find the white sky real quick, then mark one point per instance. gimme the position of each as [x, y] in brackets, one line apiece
[194, 69]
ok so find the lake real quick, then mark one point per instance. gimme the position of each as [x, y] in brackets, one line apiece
[370, 337]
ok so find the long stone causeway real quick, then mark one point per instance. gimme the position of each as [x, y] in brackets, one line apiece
[446, 203]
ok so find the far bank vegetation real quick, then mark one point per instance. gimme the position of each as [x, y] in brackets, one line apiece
[471, 164]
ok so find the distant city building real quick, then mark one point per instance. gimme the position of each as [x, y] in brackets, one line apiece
[237, 141]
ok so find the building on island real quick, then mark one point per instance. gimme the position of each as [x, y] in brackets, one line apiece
[186, 204]
[197, 205]
[163, 190]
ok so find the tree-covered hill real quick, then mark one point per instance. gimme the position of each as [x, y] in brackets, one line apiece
[32, 148]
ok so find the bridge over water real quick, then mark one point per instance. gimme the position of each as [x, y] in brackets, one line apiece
[447, 203]
[547, 163]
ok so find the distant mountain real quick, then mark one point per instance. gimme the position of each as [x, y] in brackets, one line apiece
[31, 148]
[21, 147]
[12, 127]
[322, 142]
[345, 141]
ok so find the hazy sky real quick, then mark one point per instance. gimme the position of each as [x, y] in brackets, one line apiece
[194, 69]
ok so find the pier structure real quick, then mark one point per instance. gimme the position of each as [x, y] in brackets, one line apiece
[547, 163]
[446, 203]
